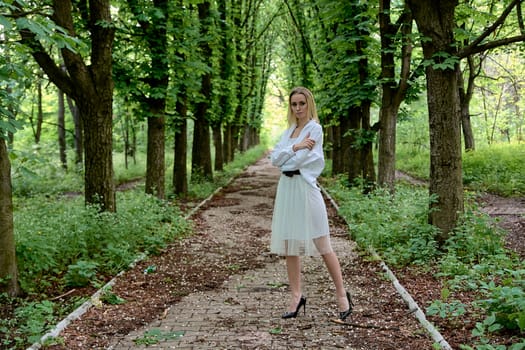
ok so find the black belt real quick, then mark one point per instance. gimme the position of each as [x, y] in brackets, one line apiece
[291, 173]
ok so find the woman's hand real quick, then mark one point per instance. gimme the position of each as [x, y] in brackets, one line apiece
[307, 142]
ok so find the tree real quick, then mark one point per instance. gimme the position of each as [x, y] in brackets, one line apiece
[465, 96]
[201, 152]
[88, 81]
[37, 124]
[180, 123]
[475, 50]
[344, 72]
[153, 22]
[393, 90]
[8, 267]
[61, 129]
[225, 93]
[13, 74]
[435, 20]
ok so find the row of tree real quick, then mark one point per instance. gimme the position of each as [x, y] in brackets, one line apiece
[164, 61]
[334, 46]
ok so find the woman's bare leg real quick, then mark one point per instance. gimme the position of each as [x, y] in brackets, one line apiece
[293, 267]
[334, 268]
[331, 261]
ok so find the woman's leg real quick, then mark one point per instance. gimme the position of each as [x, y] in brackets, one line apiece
[324, 246]
[334, 268]
[293, 267]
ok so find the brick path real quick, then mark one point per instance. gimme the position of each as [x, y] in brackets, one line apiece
[245, 312]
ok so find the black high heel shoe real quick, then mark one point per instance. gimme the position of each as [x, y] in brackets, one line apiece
[344, 314]
[293, 314]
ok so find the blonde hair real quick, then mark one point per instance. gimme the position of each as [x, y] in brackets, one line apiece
[312, 109]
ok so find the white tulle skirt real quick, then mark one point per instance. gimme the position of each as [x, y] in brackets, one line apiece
[300, 222]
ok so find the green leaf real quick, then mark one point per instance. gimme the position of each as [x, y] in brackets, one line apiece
[34, 27]
[5, 23]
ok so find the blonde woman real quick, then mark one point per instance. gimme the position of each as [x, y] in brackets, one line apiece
[300, 221]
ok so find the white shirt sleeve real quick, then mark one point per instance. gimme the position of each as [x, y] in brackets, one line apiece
[283, 151]
[309, 162]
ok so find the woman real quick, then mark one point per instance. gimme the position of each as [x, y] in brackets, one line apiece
[300, 222]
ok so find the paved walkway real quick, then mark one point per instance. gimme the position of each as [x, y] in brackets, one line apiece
[244, 313]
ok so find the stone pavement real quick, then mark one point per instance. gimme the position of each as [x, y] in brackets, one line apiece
[244, 313]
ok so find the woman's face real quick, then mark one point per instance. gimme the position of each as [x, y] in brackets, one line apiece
[299, 106]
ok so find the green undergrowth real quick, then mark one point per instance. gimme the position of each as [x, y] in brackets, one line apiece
[473, 260]
[61, 244]
[497, 169]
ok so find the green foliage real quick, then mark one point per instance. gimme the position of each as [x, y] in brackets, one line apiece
[475, 240]
[497, 169]
[446, 310]
[36, 172]
[81, 274]
[473, 260]
[155, 335]
[443, 61]
[506, 303]
[482, 331]
[401, 233]
[48, 33]
[54, 234]
[111, 298]
[32, 320]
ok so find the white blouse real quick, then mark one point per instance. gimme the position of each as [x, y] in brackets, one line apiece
[309, 162]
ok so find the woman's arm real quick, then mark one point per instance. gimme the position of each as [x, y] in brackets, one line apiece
[305, 155]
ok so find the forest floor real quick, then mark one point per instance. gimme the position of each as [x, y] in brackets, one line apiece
[221, 288]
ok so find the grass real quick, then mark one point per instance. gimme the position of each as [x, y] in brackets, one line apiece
[497, 169]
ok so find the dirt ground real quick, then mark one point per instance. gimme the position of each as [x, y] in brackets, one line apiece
[210, 257]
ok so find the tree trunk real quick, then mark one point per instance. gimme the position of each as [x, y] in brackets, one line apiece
[337, 151]
[367, 160]
[466, 126]
[352, 153]
[37, 129]
[201, 152]
[387, 143]
[180, 173]
[154, 30]
[155, 164]
[227, 74]
[61, 130]
[240, 42]
[235, 134]
[465, 96]
[245, 140]
[435, 20]
[91, 86]
[367, 156]
[227, 143]
[98, 133]
[388, 111]
[217, 142]
[8, 267]
[79, 135]
[393, 92]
